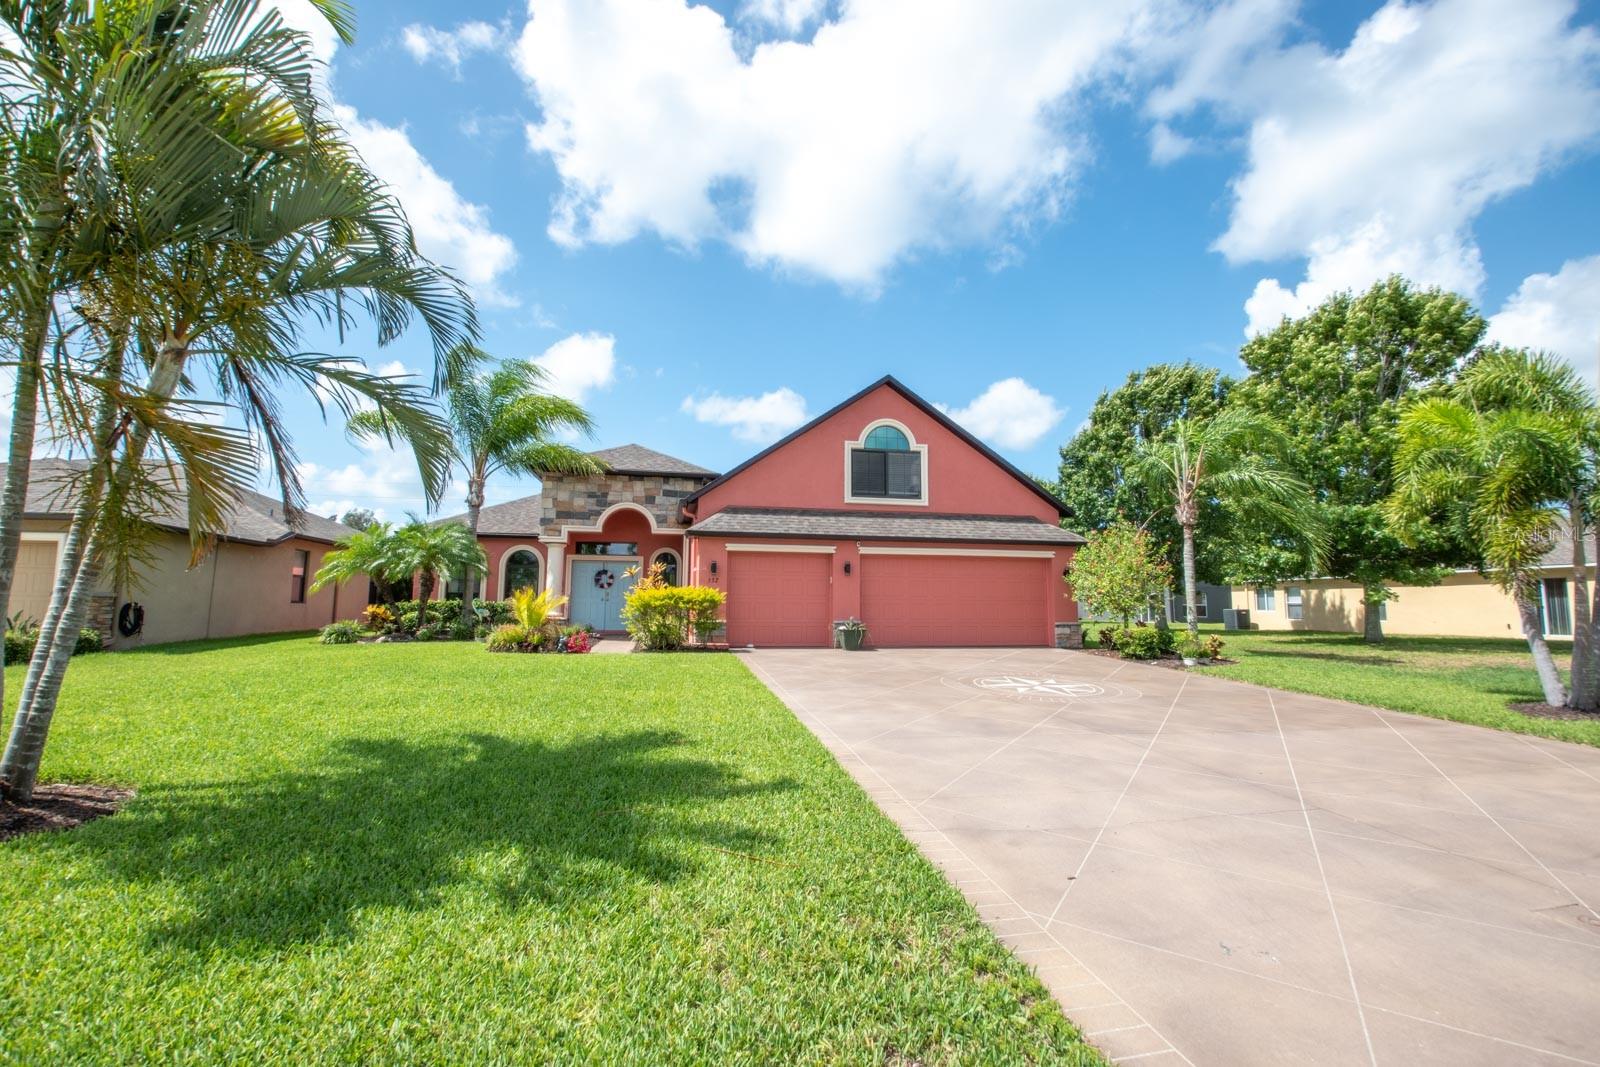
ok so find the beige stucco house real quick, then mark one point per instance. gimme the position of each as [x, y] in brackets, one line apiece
[256, 580]
[1465, 604]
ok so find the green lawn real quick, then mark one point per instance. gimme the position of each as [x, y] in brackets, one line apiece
[1467, 679]
[430, 854]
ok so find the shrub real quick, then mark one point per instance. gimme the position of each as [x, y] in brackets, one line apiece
[463, 631]
[577, 642]
[425, 633]
[532, 610]
[514, 637]
[1119, 571]
[381, 618]
[667, 617]
[19, 645]
[1141, 642]
[1107, 637]
[343, 632]
[1189, 647]
[493, 612]
[1212, 647]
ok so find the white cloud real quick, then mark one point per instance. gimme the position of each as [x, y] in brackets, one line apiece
[1010, 413]
[450, 229]
[580, 364]
[1558, 313]
[1168, 145]
[449, 47]
[790, 16]
[752, 418]
[1379, 157]
[894, 129]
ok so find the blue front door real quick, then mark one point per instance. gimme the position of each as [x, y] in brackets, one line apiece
[598, 586]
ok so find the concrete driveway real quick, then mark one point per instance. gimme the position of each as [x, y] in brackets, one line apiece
[1210, 873]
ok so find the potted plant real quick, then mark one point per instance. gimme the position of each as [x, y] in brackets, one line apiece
[1190, 649]
[852, 634]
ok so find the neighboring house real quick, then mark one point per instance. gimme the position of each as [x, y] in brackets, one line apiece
[255, 580]
[883, 509]
[1212, 599]
[1465, 604]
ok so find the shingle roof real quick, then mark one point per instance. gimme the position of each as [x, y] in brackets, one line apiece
[514, 518]
[637, 459]
[877, 526]
[256, 518]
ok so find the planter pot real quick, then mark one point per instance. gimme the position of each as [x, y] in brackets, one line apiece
[851, 640]
[1190, 661]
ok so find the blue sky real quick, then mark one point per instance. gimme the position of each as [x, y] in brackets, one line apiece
[713, 221]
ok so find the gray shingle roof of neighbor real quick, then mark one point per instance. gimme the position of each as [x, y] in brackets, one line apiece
[877, 526]
[637, 459]
[256, 518]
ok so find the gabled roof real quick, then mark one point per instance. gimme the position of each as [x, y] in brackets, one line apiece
[637, 459]
[879, 526]
[255, 518]
[938, 416]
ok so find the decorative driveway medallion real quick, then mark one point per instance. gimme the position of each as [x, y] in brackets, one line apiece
[1044, 687]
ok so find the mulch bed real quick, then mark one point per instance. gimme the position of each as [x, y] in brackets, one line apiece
[60, 807]
[1547, 711]
[1171, 660]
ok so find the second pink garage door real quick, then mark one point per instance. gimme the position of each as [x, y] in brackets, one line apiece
[910, 601]
[779, 598]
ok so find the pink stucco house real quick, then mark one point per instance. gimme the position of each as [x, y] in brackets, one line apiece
[883, 509]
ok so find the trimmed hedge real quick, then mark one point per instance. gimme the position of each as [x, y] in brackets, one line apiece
[668, 617]
[19, 644]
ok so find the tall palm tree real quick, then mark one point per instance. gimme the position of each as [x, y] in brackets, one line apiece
[89, 90]
[429, 549]
[302, 230]
[504, 420]
[1505, 475]
[1236, 459]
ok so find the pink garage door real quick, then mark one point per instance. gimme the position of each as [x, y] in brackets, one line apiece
[908, 601]
[779, 598]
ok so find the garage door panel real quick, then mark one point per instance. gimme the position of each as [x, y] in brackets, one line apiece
[34, 579]
[955, 600]
[780, 599]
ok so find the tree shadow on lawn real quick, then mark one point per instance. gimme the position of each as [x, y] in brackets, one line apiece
[391, 823]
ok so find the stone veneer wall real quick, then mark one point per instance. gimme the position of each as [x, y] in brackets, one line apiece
[572, 501]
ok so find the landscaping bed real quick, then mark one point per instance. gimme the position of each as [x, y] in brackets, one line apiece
[59, 807]
[421, 853]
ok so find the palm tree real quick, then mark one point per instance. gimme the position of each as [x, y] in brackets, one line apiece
[1506, 473]
[365, 553]
[90, 89]
[504, 420]
[1236, 459]
[1504, 379]
[299, 229]
[429, 549]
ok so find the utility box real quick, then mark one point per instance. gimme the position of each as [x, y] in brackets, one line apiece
[1236, 618]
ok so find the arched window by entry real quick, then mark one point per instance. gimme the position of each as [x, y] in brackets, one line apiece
[668, 559]
[521, 571]
[888, 439]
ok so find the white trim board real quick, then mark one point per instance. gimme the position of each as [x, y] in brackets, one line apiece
[996, 553]
[819, 550]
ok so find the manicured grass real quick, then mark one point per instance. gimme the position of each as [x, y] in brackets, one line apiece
[1467, 679]
[430, 854]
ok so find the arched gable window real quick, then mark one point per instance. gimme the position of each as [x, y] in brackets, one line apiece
[888, 439]
[885, 466]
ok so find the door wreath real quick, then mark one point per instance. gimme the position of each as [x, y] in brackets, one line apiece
[604, 579]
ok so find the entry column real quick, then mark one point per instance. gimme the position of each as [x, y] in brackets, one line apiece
[555, 566]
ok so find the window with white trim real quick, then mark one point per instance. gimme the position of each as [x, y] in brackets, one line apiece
[1202, 607]
[1266, 598]
[669, 561]
[521, 571]
[1294, 603]
[886, 466]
